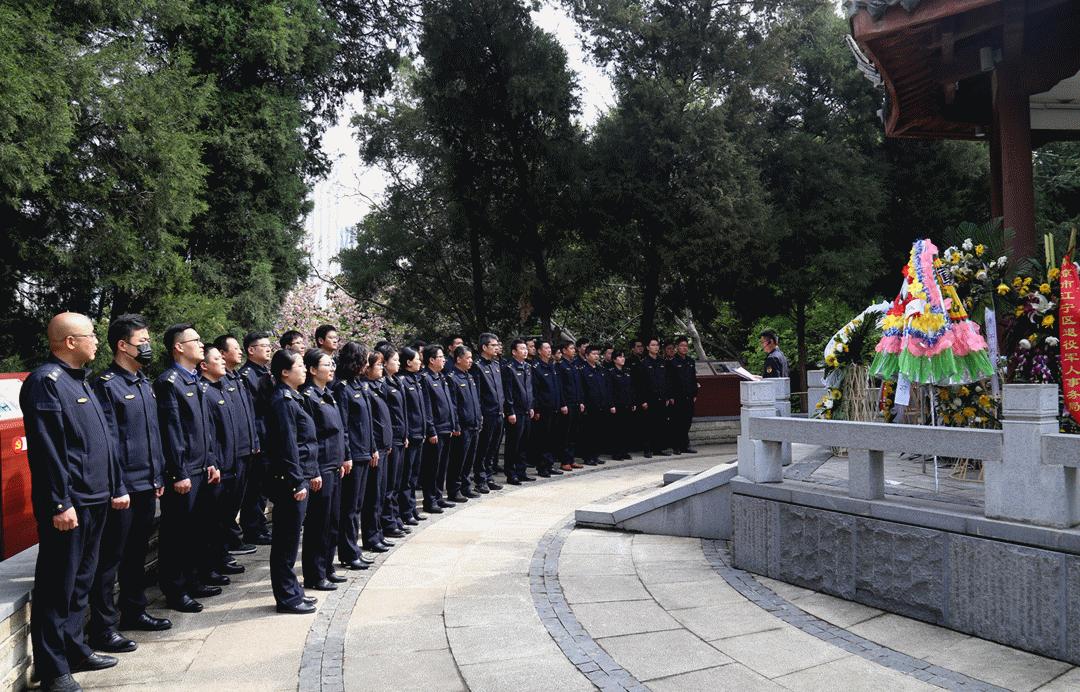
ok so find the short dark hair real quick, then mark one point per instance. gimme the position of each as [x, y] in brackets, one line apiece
[590, 348]
[461, 351]
[351, 358]
[418, 345]
[581, 342]
[288, 337]
[407, 354]
[618, 352]
[681, 340]
[565, 343]
[386, 349]
[252, 337]
[322, 331]
[222, 342]
[769, 335]
[283, 360]
[635, 342]
[516, 342]
[487, 338]
[312, 356]
[171, 335]
[206, 351]
[123, 327]
[540, 341]
[431, 351]
[652, 339]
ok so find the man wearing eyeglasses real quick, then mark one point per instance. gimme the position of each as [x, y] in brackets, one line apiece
[190, 462]
[75, 476]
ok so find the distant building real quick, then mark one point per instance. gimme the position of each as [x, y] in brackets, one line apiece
[329, 226]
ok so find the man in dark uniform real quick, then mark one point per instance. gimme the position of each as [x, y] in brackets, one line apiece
[684, 387]
[493, 402]
[326, 339]
[776, 364]
[293, 340]
[74, 473]
[599, 407]
[548, 407]
[568, 426]
[232, 491]
[260, 386]
[127, 400]
[637, 353]
[651, 387]
[190, 462]
[517, 383]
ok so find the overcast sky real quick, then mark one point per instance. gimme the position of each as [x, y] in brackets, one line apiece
[340, 200]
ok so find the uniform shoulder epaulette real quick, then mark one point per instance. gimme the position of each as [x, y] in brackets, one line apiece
[108, 375]
[288, 395]
[172, 376]
[309, 393]
[53, 374]
[204, 386]
[244, 370]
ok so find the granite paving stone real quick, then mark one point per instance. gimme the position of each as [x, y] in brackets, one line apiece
[679, 652]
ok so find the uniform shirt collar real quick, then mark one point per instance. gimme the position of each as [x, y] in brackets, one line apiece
[127, 375]
[190, 375]
[78, 373]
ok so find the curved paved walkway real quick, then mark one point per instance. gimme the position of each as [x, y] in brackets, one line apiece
[503, 593]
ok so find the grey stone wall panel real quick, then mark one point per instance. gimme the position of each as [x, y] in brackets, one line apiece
[901, 569]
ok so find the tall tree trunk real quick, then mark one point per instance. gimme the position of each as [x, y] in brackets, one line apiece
[650, 295]
[800, 337]
[479, 308]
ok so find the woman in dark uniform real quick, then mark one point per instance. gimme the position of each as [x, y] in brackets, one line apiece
[419, 417]
[293, 459]
[394, 389]
[382, 443]
[324, 507]
[350, 391]
[623, 396]
[441, 426]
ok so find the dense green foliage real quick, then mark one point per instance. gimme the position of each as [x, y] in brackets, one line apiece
[156, 156]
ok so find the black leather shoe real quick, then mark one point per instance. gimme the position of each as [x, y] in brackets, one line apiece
[411, 522]
[404, 528]
[481, 489]
[677, 452]
[113, 643]
[311, 600]
[690, 450]
[302, 608]
[420, 517]
[264, 539]
[215, 579]
[205, 591]
[472, 494]
[662, 453]
[648, 455]
[185, 604]
[94, 662]
[458, 498]
[365, 559]
[601, 462]
[544, 474]
[355, 564]
[324, 585]
[433, 510]
[388, 544]
[446, 504]
[336, 579]
[394, 533]
[144, 622]
[492, 485]
[513, 481]
[242, 549]
[528, 479]
[377, 548]
[556, 472]
[591, 463]
[231, 568]
[64, 683]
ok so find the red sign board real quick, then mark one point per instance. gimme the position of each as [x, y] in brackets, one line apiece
[1069, 330]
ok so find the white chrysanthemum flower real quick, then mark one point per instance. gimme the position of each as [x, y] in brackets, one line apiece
[1025, 344]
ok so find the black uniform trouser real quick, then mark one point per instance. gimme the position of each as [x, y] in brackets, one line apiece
[371, 529]
[594, 431]
[180, 540]
[321, 528]
[213, 540]
[566, 427]
[288, 520]
[63, 575]
[621, 433]
[543, 439]
[487, 449]
[435, 457]
[232, 497]
[682, 416]
[123, 554]
[655, 422]
[410, 479]
[495, 465]
[253, 504]
[462, 457]
[391, 514]
[353, 488]
[517, 442]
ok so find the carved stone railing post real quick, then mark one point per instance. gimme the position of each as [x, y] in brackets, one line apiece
[760, 462]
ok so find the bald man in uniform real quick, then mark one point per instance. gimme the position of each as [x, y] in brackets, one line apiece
[75, 476]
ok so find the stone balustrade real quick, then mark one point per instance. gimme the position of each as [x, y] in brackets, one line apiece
[1030, 469]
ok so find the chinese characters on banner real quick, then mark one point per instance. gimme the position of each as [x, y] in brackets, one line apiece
[1069, 327]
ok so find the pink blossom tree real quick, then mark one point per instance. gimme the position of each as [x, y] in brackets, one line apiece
[315, 302]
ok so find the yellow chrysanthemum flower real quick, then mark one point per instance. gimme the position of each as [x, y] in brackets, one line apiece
[1048, 321]
[968, 411]
[964, 391]
[1017, 282]
[979, 250]
[1053, 273]
[1044, 289]
[1002, 289]
[1019, 311]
